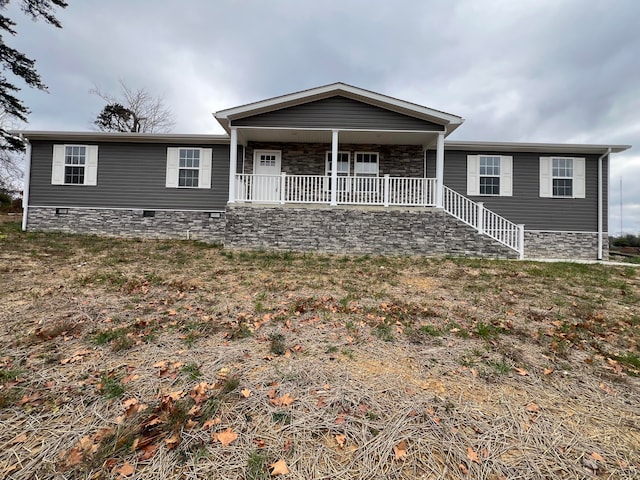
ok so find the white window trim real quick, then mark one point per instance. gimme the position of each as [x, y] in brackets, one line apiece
[473, 176]
[579, 177]
[365, 174]
[58, 165]
[173, 167]
[327, 163]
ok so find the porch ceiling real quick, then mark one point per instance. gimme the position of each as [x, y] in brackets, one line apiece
[375, 137]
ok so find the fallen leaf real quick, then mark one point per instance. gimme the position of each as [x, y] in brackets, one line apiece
[246, 393]
[148, 452]
[521, 371]
[130, 378]
[400, 450]
[341, 439]
[19, 439]
[473, 455]
[210, 423]
[74, 457]
[126, 470]
[532, 407]
[597, 456]
[607, 389]
[173, 441]
[548, 371]
[226, 437]
[279, 468]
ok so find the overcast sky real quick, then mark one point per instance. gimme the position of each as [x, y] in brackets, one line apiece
[525, 70]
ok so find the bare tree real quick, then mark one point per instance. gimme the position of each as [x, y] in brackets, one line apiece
[11, 160]
[133, 110]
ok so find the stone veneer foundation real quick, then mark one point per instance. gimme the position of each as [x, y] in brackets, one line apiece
[564, 245]
[359, 230]
[164, 224]
[373, 230]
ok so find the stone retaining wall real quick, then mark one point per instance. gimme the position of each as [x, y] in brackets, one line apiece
[129, 223]
[564, 245]
[374, 230]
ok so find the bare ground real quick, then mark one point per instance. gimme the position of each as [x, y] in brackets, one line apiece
[162, 359]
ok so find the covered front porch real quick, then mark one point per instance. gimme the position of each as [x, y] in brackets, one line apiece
[335, 167]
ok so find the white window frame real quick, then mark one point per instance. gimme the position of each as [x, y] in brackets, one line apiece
[344, 183]
[356, 163]
[173, 167]
[578, 177]
[59, 165]
[327, 169]
[473, 176]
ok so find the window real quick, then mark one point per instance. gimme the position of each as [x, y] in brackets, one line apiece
[268, 160]
[344, 184]
[188, 167]
[343, 164]
[562, 177]
[489, 175]
[74, 165]
[74, 162]
[366, 164]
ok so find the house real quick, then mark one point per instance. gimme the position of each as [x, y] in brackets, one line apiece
[333, 169]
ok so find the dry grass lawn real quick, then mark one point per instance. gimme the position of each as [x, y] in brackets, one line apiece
[180, 360]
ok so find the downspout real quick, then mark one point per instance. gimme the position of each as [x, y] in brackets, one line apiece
[600, 201]
[27, 183]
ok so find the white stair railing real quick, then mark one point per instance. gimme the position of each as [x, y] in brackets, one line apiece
[485, 221]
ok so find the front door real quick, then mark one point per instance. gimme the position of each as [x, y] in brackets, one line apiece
[266, 182]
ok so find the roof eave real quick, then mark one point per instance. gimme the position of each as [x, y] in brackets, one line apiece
[122, 137]
[576, 148]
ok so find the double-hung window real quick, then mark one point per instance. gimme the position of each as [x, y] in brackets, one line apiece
[75, 157]
[74, 165]
[489, 175]
[188, 167]
[562, 177]
[343, 171]
[366, 164]
[343, 164]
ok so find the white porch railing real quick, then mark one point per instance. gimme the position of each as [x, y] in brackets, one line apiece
[485, 221]
[386, 191]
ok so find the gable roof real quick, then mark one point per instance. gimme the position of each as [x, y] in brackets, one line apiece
[450, 121]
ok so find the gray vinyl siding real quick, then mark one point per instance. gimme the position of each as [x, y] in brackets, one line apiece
[526, 206]
[337, 112]
[130, 175]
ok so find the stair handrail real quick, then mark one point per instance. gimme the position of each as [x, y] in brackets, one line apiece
[486, 221]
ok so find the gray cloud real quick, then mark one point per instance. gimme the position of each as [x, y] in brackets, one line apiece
[532, 70]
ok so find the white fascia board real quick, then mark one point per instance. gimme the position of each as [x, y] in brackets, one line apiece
[124, 137]
[384, 101]
[534, 147]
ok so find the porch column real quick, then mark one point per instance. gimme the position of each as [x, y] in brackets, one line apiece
[233, 164]
[334, 167]
[440, 171]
